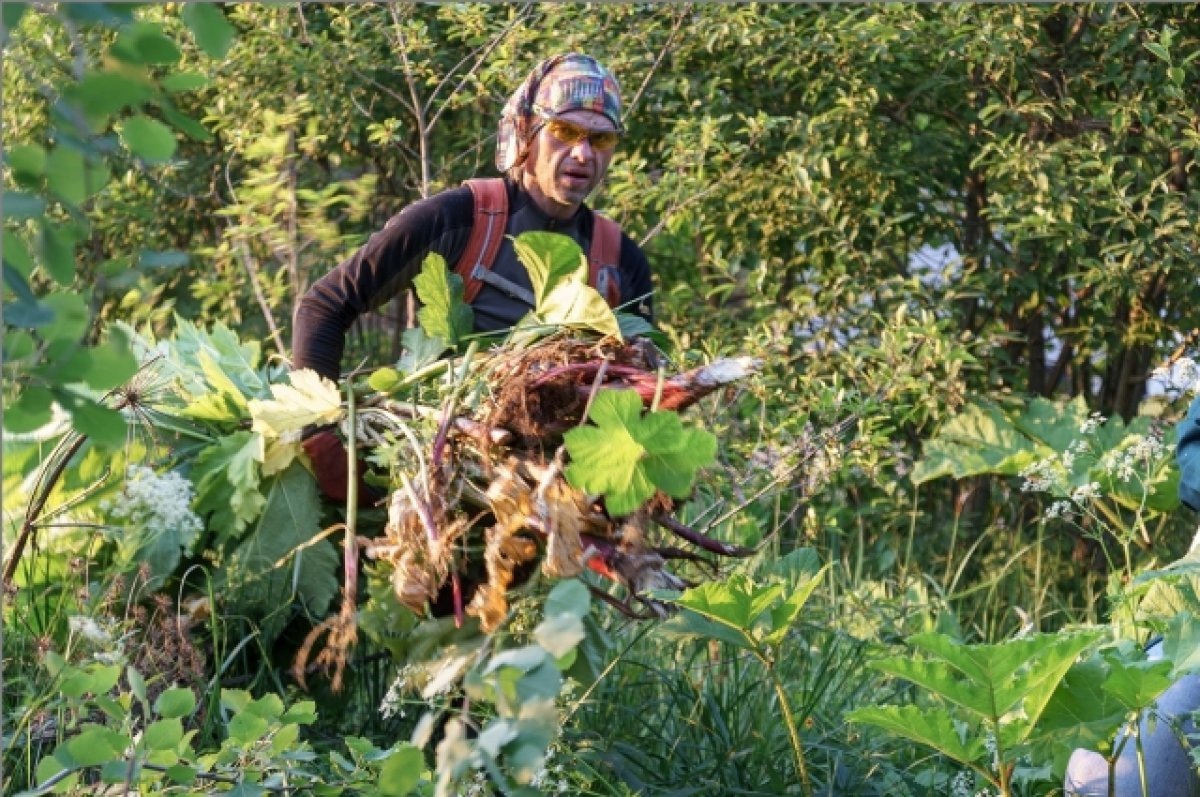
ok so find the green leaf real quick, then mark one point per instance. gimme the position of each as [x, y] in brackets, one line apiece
[1081, 713]
[65, 174]
[559, 633]
[19, 206]
[226, 476]
[145, 43]
[58, 250]
[785, 613]
[558, 272]
[177, 701]
[184, 123]
[931, 727]
[16, 257]
[148, 259]
[28, 164]
[420, 350]
[148, 138]
[276, 563]
[575, 304]
[103, 93]
[626, 456]
[247, 728]
[112, 364]
[569, 596]
[93, 679]
[179, 82]
[401, 771]
[976, 441]
[96, 745]
[213, 32]
[165, 734]
[33, 409]
[71, 317]
[549, 258]
[224, 400]
[104, 425]
[382, 380]
[443, 313]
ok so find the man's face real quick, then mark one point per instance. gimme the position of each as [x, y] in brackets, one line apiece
[560, 175]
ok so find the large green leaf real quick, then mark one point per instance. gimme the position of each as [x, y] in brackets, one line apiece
[976, 441]
[226, 476]
[275, 563]
[625, 457]
[931, 727]
[558, 272]
[443, 313]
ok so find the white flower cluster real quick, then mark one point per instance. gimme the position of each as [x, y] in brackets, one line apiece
[963, 785]
[1144, 450]
[1086, 492]
[1060, 509]
[1183, 374]
[156, 502]
[551, 779]
[1094, 422]
[1039, 477]
[393, 701]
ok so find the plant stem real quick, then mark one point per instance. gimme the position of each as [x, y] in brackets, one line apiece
[789, 721]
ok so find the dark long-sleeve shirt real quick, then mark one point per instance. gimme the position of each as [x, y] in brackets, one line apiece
[386, 265]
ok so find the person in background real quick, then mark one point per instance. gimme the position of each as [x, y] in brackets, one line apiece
[557, 136]
[1168, 765]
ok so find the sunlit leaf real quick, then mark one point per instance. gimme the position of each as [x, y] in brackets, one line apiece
[65, 174]
[309, 399]
[443, 313]
[625, 457]
[931, 727]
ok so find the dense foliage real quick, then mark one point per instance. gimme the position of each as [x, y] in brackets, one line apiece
[958, 237]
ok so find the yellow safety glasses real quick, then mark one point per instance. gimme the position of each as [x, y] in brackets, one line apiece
[570, 133]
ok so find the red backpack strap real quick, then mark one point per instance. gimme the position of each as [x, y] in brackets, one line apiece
[487, 232]
[604, 259]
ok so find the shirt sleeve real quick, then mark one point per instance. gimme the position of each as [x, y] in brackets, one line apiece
[379, 271]
[1187, 456]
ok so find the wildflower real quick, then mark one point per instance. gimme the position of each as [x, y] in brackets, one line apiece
[1094, 422]
[1039, 477]
[157, 503]
[87, 628]
[1059, 509]
[961, 785]
[1085, 492]
[393, 701]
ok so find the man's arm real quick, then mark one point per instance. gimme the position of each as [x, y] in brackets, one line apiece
[379, 271]
[1187, 455]
[636, 286]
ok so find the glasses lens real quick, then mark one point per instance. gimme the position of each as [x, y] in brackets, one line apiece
[566, 132]
[571, 133]
[604, 140]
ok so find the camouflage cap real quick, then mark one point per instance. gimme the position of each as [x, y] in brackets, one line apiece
[561, 83]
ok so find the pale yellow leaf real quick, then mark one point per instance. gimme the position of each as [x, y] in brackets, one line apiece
[310, 399]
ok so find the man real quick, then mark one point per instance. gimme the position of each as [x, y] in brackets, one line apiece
[557, 136]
